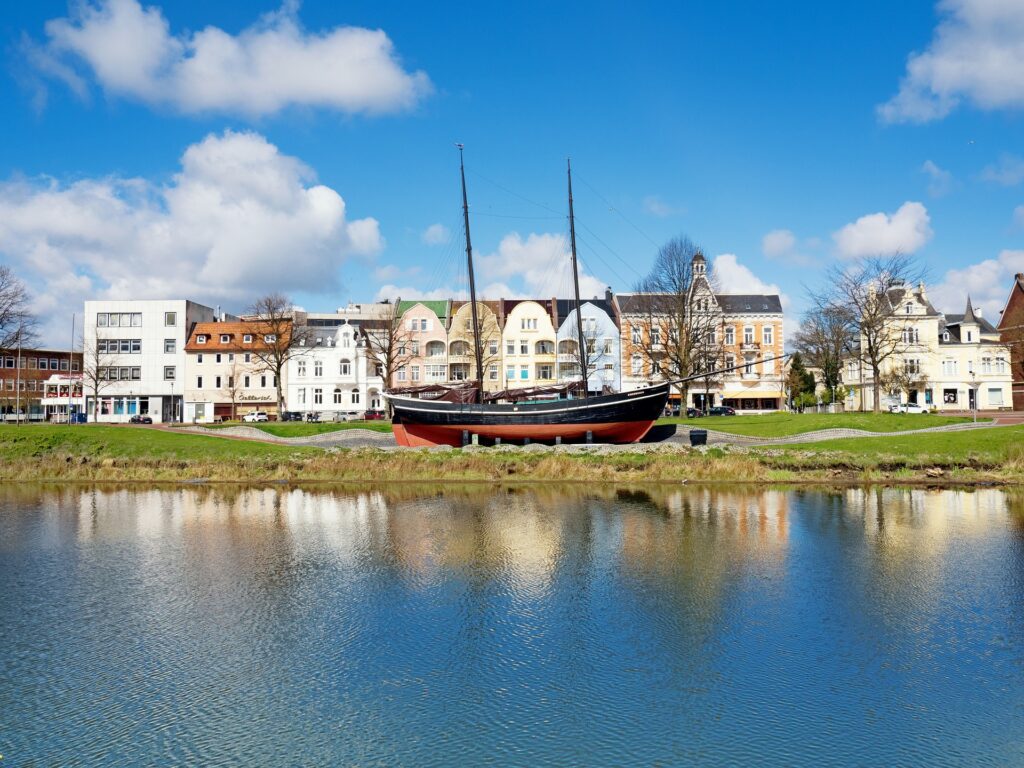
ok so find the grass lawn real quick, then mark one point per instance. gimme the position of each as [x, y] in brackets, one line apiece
[999, 446]
[302, 428]
[97, 441]
[782, 423]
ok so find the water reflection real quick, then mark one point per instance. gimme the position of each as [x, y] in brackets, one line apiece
[438, 625]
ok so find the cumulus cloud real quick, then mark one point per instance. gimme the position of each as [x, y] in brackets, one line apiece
[904, 231]
[238, 219]
[940, 182]
[987, 282]
[734, 277]
[1008, 172]
[131, 51]
[436, 234]
[655, 206]
[976, 54]
[778, 243]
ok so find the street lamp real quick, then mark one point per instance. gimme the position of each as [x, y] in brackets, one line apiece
[973, 395]
[172, 402]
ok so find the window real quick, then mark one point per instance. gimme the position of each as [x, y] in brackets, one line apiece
[201, 338]
[995, 397]
[74, 365]
[510, 372]
[436, 373]
[528, 324]
[909, 308]
[355, 397]
[492, 372]
[218, 357]
[301, 368]
[425, 324]
[337, 396]
[949, 396]
[63, 364]
[1000, 365]
[302, 396]
[101, 320]
[766, 336]
[199, 382]
[415, 348]
[225, 338]
[415, 371]
[169, 373]
[345, 368]
[216, 382]
[524, 372]
[635, 365]
[748, 366]
[544, 371]
[949, 368]
[970, 336]
[945, 335]
[912, 365]
[270, 338]
[986, 365]
[634, 334]
[545, 347]
[911, 335]
[318, 368]
[730, 335]
[492, 347]
[655, 336]
[318, 396]
[655, 367]
[170, 319]
[607, 348]
[767, 367]
[748, 334]
[510, 347]
[263, 381]
[247, 357]
[245, 381]
[199, 358]
[33, 363]
[524, 347]
[401, 374]
[169, 346]
[247, 338]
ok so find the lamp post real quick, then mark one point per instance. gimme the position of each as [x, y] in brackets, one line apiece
[973, 395]
[172, 402]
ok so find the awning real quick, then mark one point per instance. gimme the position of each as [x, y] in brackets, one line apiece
[751, 395]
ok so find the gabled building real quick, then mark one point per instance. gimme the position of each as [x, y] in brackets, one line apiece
[424, 339]
[1011, 333]
[601, 333]
[461, 357]
[528, 342]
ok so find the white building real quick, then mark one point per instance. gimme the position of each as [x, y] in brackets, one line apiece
[61, 392]
[137, 348]
[334, 376]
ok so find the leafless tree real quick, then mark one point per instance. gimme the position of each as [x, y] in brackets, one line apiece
[280, 338]
[599, 352]
[679, 314]
[870, 290]
[903, 379]
[96, 365]
[233, 387]
[827, 332]
[18, 326]
[388, 347]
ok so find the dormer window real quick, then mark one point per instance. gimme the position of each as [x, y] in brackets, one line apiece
[247, 338]
[945, 335]
[910, 308]
[201, 338]
[225, 338]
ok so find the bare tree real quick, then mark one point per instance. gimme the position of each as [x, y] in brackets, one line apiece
[388, 347]
[678, 314]
[234, 387]
[903, 379]
[871, 290]
[598, 353]
[826, 333]
[280, 338]
[18, 326]
[96, 366]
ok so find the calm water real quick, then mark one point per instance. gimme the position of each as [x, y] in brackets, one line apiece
[532, 627]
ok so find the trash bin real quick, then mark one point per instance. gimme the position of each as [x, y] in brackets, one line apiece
[698, 437]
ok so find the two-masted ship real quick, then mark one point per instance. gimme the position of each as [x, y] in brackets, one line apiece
[453, 415]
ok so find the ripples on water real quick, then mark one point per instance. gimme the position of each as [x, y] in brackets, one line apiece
[283, 627]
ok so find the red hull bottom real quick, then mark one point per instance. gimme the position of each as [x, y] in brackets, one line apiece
[425, 435]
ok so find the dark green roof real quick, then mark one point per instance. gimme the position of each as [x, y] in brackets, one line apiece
[438, 306]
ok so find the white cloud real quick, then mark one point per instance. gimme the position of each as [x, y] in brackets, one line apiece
[904, 231]
[655, 206]
[778, 243]
[273, 64]
[436, 234]
[940, 182]
[988, 283]
[1008, 172]
[976, 54]
[733, 277]
[238, 219]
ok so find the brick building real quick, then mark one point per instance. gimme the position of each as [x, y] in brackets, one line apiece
[23, 375]
[1011, 333]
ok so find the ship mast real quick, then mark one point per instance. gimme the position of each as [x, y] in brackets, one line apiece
[478, 353]
[576, 289]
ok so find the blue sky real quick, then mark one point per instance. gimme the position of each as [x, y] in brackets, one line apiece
[220, 150]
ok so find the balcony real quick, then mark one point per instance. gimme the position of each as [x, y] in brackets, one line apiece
[750, 346]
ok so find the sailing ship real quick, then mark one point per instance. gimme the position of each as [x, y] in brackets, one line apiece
[453, 415]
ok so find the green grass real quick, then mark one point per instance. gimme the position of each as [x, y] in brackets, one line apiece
[781, 424]
[304, 429]
[98, 442]
[997, 443]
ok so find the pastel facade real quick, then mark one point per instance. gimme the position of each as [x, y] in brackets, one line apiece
[528, 344]
[601, 333]
[952, 362]
[424, 331]
[461, 358]
[750, 334]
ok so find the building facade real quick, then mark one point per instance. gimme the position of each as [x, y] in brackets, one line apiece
[528, 343]
[1011, 333]
[461, 358]
[62, 394]
[134, 357]
[334, 376]
[943, 361]
[23, 376]
[423, 342]
[224, 377]
[601, 333]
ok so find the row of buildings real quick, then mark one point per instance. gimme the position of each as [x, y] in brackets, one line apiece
[181, 361]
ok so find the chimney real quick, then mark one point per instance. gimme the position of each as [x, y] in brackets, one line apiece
[979, 312]
[608, 295]
[920, 290]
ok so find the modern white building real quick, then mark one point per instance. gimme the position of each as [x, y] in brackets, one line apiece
[137, 350]
[61, 393]
[334, 376]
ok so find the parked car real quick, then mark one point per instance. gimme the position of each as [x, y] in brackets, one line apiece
[912, 408]
[374, 416]
[694, 413]
[256, 416]
[140, 420]
[721, 410]
[291, 416]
